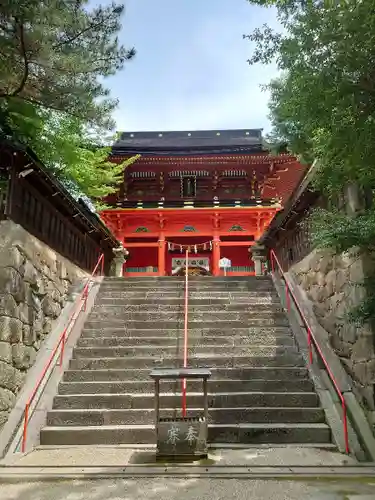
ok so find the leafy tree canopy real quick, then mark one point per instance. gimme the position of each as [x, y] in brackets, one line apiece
[54, 57]
[55, 53]
[323, 104]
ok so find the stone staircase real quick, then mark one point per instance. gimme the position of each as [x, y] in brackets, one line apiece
[260, 392]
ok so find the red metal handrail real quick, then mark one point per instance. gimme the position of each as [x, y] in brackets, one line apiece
[310, 340]
[81, 303]
[186, 310]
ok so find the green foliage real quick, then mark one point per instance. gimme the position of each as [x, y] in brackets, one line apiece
[54, 55]
[335, 229]
[364, 312]
[76, 154]
[323, 106]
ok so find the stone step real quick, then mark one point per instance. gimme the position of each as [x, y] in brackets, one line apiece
[180, 280]
[253, 332]
[193, 282]
[111, 309]
[166, 279]
[216, 416]
[209, 287]
[119, 387]
[147, 294]
[246, 374]
[225, 433]
[233, 341]
[194, 400]
[178, 314]
[194, 362]
[259, 392]
[178, 323]
[172, 302]
[174, 284]
[177, 349]
[180, 291]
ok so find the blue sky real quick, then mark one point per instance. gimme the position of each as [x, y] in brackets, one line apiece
[190, 71]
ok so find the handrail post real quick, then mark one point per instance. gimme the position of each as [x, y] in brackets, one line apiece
[309, 343]
[346, 434]
[62, 348]
[185, 331]
[287, 297]
[25, 424]
[272, 262]
[102, 265]
[85, 295]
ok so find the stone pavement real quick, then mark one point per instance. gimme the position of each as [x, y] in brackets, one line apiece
[98, 456]
[187, 489]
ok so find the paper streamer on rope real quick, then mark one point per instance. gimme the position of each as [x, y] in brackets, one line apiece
[204, 246]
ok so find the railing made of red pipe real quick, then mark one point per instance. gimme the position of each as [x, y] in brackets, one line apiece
[312, 340]
[186, 311]
[81, 303]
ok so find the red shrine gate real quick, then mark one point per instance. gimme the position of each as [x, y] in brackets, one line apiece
[208, 234]
[212, 192]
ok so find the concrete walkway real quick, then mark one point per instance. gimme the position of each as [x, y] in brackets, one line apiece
[180, 488]
[119, 456]
[187, 489]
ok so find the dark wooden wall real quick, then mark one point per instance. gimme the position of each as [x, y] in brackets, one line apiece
[46, 211]
[290, 239]
[40, 218]
[292, 244]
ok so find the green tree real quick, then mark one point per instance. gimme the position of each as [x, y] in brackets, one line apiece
[79, 158]
[323, 103]
[76, 154]
[54, 55]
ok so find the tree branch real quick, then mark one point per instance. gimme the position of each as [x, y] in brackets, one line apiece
[26, 63]
[73, 38]
[42, 105]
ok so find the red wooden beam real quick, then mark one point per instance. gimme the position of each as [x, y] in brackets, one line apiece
[237, 243]
[141, 244]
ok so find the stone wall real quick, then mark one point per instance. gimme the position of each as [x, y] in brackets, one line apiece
[333, 284]
[34, 286]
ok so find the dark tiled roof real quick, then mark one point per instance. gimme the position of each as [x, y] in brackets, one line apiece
[194, 142]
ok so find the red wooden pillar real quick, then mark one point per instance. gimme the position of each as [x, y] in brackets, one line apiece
[216, 256]
[161, 255]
